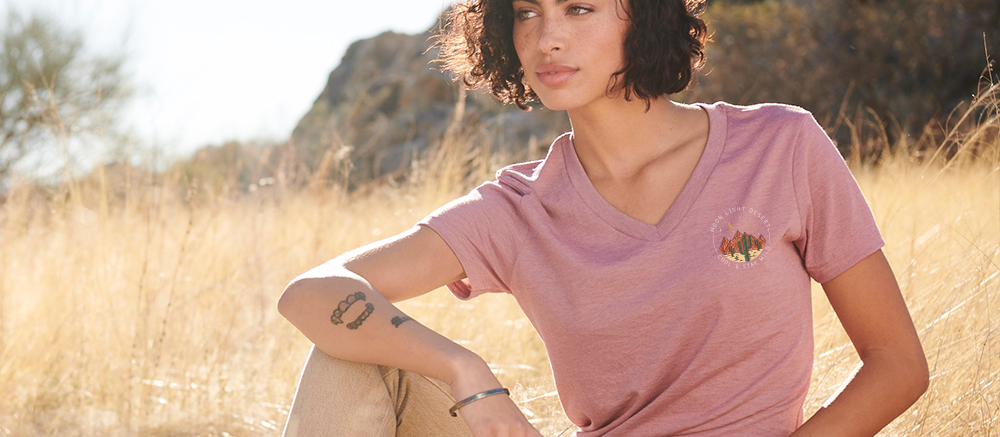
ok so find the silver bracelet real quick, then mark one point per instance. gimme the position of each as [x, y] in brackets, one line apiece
[458, 405]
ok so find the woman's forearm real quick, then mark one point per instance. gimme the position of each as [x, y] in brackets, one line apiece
[346, 318]
[882, 389]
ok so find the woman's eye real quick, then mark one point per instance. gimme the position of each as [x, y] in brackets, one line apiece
[577, 10]
[524, 14]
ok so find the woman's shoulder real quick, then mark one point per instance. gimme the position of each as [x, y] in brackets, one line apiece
[764, 120]
[519, 177]
[762, 112]
[524, 178]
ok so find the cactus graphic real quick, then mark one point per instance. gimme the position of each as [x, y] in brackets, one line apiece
[745, 247]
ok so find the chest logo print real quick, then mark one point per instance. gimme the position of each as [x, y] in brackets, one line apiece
[740, 236]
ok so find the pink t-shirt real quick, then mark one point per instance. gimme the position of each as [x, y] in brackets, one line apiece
[700, 325]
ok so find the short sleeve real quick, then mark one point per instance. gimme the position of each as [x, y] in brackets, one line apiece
[484, 229]
[838, 227]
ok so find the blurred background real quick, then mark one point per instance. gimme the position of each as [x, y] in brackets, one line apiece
[167, 167]
[189, 74]
[170, 79]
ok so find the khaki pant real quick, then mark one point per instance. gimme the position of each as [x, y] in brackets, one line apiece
[337, 398]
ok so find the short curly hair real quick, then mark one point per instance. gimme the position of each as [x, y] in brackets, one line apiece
[664, 48]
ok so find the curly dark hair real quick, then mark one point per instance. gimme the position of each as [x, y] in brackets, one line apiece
[664, 48]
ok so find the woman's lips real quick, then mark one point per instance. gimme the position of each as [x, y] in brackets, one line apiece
[555, 75]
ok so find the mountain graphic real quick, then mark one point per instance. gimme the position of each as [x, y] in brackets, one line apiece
[742, 245]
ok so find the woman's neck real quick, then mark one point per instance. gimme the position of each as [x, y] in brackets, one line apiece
[619, 138]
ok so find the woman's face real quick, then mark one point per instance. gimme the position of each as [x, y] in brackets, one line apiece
[569, 49]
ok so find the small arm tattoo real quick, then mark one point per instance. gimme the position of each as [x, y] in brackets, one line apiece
[362, 317]
[396, 321]
[345, 305]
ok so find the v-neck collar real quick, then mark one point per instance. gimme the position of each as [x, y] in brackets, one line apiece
[692, 189]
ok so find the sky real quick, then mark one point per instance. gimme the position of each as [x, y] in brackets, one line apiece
[209, 71]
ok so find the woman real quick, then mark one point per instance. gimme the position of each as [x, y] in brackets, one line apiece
[662, 251]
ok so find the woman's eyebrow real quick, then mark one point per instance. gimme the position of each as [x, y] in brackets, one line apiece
[536, 2]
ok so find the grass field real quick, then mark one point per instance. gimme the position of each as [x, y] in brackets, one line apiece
[145, 309]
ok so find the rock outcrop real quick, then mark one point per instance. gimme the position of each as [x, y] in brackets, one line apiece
[387, 102]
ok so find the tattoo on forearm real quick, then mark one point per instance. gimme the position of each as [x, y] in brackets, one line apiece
[342, 307]
[362, 317]
[396, 321]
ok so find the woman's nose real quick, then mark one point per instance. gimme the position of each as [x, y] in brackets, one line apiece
[552, 37]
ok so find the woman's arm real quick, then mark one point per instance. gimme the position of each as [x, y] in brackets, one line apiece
[344, 307]
[894, 372]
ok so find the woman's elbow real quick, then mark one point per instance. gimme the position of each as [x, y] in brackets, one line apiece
[922, 376]
[917, 369]
[905, 369]
[291, 301]
[914, 375]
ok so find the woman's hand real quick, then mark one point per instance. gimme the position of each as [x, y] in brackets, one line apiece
[496, 416]
[492, 416]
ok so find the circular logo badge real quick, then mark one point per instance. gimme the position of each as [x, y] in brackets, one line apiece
[740, 236]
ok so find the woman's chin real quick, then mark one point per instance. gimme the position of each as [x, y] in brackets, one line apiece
[553, 104]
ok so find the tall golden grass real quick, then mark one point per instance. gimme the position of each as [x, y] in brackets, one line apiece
[132, 307]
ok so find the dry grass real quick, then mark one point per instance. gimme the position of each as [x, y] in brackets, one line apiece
[150, 311]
